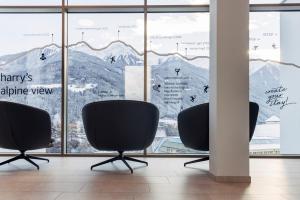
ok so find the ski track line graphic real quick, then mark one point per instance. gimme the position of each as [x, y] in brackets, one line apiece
[142, 54]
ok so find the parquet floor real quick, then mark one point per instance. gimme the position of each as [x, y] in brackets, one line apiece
[164, 179]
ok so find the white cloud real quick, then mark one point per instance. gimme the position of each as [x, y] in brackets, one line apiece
[253, 24]
[154, 46]
[178, 2]
[86, 22]
[261, 20]
[172, 25]
[270, 54]
[198, 1]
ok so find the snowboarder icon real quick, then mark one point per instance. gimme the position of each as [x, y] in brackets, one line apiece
[177, 70]
[43, 57]
[193, 98]
[206, 88]
[112, 59]
[157, 87]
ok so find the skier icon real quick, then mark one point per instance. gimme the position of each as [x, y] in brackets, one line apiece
[181, 108]
[177, 70]
[206, 88]
[112, 59]
[274, 46]
[255, 47]
[193, 98]
[157, 88]
[43, 57]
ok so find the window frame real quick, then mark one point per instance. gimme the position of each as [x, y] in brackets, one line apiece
[65, 9]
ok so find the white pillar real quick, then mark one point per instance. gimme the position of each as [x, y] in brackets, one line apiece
[229, 94]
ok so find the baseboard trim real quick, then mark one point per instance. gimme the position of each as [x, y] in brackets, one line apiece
[231, 179]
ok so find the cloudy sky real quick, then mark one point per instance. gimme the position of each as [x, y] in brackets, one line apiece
[111, 2]
[164, 30]
[21, 32]
[167, 32]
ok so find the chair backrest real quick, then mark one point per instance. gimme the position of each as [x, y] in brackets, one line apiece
[6, 137]
[23, 127]
[193, 125]
[253, 115]
[120, 125]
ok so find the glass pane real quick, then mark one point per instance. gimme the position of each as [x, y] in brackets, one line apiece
[179, 71]
[273, 1]
[105, 2]
[106, 61]
[274, 80]
[30, 2]
[30, 60]
[177, 2]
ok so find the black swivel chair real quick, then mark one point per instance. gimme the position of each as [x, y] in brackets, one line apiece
[24, 128]
[193, 126]
[120, 125]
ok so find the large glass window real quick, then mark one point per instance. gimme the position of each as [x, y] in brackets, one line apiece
[177, 2]
[30, 2]
[105, 51]
[179, 68]
[273, 1]
[30, 64]
[105, 2]
[106, 61]
[274, 77]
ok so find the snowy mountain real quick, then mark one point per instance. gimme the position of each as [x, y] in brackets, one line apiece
[262, 80]
[194, 77]
[44, 73]
[8, 58]
[94, 76]
[120, 51]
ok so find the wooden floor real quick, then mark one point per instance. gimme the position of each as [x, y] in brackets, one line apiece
[163, 179]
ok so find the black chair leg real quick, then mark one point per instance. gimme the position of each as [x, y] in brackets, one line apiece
[198, 160]
[120, 157]
[105, 162]
[135, 160]
[125, 162]
[37, 158]
[25, 157]
[11, 160]
[33, 163]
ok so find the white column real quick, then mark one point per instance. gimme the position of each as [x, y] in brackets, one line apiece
[229, 94]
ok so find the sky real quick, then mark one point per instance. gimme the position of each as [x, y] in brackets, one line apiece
[110, 2]
[100, 29]
[20, 32]
[128, 2]
[165, 30]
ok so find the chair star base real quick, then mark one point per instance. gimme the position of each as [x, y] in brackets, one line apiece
[123, 158]
[28, 158]
[195, 161]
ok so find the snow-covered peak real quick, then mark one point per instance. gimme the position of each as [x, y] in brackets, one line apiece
[116, 51]
[258, 65]
[31, 59]
[51, 49]
[174, 58]
[118, 48]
